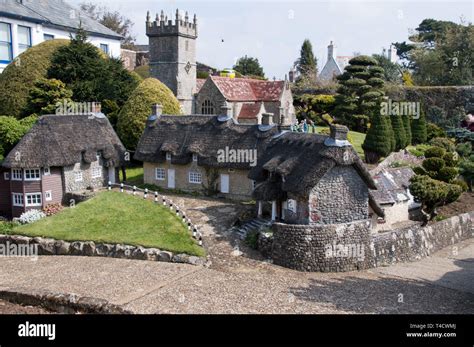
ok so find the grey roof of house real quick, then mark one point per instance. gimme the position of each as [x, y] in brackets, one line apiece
[65, 140]
[54, 13]
[392, 185]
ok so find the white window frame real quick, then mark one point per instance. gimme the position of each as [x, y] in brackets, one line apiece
[17, 175]
[8, 44]
[29, 172]
[161, 177]
[22, 47]
[48, 195]
[46, 171]
[6, 176]
[195, 177]
[20, 199]
[36, 195]
[104, 47]
[195, 157]
[78, 176]
[96, 172]
[168, 156]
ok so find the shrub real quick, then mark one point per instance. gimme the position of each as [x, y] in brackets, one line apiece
[435, 152]
[432, 131]
[252, 239]
[31, 216]
[135, 112]
[462, 184]
[418, 129]
[399, 132]
[464, 149]
[443, 142]
[45, 96]
[419, 171]
[451, 159]
[433, 164]
[407, 125]
[18, 78]
[378, 142]
[12, 130]
[419, 151]
[447, 174]
[52, 209]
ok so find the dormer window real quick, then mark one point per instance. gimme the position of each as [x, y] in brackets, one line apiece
[168, 156]
[195, 157]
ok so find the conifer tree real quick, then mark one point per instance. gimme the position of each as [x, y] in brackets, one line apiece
[418, 129]
[407, 125]
[399, 132]
[378, 141]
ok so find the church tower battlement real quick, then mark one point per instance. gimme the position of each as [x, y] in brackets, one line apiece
[173, 55]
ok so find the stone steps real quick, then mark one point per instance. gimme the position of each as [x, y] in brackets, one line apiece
[249, 227]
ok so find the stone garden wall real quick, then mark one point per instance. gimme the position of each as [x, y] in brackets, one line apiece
[351, 246]
[90, 249]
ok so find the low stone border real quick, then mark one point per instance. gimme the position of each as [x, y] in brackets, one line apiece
[61, 303]
[91, 249]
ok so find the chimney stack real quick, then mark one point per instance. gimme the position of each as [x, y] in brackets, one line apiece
[156, 110]
[267, 119]
[330, 51]
[339, 132]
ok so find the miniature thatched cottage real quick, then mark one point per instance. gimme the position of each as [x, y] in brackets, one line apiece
[59, 155]
[205, 154]
[313, 179]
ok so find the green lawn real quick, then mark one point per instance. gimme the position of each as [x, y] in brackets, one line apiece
[357, 139]
[113, 217]
[134, 176]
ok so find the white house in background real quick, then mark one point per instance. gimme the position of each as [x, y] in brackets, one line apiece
[25, 23]
[334, 65]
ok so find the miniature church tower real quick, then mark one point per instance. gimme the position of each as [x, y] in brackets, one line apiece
[173, 55]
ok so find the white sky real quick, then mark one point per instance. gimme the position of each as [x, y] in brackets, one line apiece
[273, 31]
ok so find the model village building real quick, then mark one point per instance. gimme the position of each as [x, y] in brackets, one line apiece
[59, 155]
[172, 45]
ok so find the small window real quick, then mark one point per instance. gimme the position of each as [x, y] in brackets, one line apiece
[98, 155]
[6, 52]
[48, 196]
[78, 176]
[17, 174]
[168, 156]
[195, 157]
[97, 171]
[207, 107]
[17, 199]
[160, 174]
[24, 38]
[6, 176]
[46, 171]
[48, 37]
[33, 199]
[32, 174]
[104, 48]
[195, 177]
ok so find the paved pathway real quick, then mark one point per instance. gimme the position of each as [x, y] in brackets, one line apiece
[151, 287]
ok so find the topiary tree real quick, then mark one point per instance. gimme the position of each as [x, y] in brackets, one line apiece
[418, 129]
[135, 112]
[443, 142]
[378, 142]
[407, 125]
[432, 194]
[19, 77]
[439, 164]
[45, 96]
[399, 132]
[432, 131]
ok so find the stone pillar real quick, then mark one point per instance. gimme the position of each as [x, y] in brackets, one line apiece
[284, 206]
[260, 209]
[274, 210]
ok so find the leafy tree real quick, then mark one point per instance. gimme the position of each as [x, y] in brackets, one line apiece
[45, 96]
[89, 74]
[360, 93]
[12, 130]
[19, 77]
[392, 72]
[249, 66]
[418, 129]
[307, 64]
[399, 132]
[378, 142]
[112, 20]
[133, 115]
[314, 107]
[432, 193]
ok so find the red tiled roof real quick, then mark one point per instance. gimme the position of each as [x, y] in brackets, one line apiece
[246, 89]
[250, 111]
[199, 83]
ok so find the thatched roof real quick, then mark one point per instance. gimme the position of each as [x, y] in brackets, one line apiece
[301, 160]
[183, 136]
[65, 140]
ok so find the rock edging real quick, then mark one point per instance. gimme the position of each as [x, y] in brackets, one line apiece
[60, 302]
[47, 246]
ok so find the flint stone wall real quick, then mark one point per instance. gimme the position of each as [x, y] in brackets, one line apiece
[90, 249]
[351, 246]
